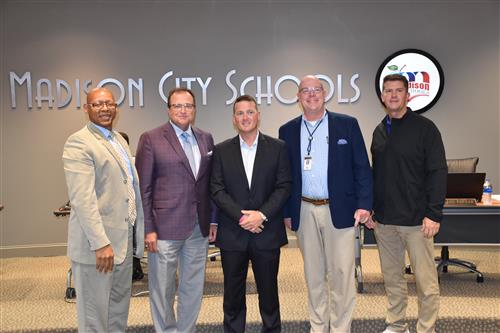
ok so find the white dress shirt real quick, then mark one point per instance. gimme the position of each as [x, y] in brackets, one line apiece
[248, 155]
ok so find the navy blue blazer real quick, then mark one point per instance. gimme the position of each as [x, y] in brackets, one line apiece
[350, 184]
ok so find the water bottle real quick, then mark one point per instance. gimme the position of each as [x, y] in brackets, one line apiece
[487, 191]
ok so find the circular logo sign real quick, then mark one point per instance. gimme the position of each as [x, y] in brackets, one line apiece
[424, 74]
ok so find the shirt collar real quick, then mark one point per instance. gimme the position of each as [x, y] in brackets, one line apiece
[179, 131]
[313, 123]
[106, 132]
[243, 144]
[408, 113]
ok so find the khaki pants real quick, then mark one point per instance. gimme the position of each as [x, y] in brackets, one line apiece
[329, 269]
[392, 242]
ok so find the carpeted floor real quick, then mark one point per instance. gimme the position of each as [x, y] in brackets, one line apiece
[32, 296]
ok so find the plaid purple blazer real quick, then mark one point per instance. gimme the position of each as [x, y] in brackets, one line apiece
[171, 196]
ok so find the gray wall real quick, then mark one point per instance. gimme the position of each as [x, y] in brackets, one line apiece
[93, 40]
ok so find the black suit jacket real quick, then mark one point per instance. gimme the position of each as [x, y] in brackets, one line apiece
[270, 188]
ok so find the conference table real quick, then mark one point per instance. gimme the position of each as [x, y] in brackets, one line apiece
[477, 225]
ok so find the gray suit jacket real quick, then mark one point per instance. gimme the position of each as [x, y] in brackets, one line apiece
[98, 193]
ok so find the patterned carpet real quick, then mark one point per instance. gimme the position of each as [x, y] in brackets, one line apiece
[32, 297]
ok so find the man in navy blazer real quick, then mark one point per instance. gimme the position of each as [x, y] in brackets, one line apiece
[174, 162]
[331, 194]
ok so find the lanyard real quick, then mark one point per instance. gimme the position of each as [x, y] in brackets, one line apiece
[311, 137]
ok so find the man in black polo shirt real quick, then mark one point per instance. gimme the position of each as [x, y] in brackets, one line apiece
[409, 169]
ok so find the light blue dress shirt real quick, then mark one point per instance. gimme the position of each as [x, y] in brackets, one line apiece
[194, 144]
[315, 181]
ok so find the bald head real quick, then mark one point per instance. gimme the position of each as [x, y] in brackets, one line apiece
[101, 107]
[311, 96]
[309, 78]
[97, 91]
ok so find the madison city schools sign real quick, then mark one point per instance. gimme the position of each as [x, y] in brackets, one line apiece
[424, 74]
[58, 93]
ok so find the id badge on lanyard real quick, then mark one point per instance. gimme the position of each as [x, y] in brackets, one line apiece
[308, 162]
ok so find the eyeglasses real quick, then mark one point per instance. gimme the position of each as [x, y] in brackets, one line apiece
[316, 90]
[249, 113]
[101, 105]
[179, 107]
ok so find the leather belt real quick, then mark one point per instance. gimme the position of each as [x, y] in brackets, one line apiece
[316, 202]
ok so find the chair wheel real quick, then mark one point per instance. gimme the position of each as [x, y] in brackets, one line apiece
[213, 258]
[480, 279]
[445, 269]
[408, 269]
[70, 293]
[360, 287]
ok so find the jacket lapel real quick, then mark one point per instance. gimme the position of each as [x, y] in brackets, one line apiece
[236, 152]
[258, 165]
[331, 138]
[202, 146]
[126, 148]
[296, 144]
[100, 137]
[173, 140]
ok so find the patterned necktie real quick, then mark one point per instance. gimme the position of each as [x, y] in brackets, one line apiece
[188, 149]
[132, 209]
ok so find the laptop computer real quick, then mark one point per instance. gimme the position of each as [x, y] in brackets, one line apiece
[465, 185]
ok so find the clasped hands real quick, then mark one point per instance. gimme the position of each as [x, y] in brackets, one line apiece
[252, 221]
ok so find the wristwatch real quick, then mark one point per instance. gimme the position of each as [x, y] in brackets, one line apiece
[263, 217]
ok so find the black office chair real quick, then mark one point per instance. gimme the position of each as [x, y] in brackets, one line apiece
[463, 165]
[62, 211]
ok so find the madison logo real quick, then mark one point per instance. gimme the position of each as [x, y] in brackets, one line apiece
[424, 74]
[418, 82]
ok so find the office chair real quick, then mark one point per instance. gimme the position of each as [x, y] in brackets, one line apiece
[70, 294]
[463, 165]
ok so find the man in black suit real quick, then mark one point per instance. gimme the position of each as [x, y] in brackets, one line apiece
[250, 183]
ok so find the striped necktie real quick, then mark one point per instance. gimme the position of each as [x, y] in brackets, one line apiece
[122, 155]
[188, 149]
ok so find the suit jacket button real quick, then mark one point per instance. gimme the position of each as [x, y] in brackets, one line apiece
[127, 200]
[124, 181]
[126, 219]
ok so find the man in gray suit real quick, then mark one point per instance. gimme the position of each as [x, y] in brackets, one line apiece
[174, 163]
[105, 205]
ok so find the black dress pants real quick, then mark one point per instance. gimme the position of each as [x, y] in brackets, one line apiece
[265, 265]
